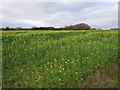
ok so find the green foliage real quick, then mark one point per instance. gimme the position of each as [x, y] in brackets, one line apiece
[42, 59]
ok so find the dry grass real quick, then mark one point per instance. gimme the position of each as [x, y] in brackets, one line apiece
[106, 78]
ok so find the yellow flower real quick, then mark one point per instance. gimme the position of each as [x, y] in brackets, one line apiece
[51, 72]
[34, 65]
[55, 60]
[51, 66]
[60, 66]
[60, 71]
[36, 81]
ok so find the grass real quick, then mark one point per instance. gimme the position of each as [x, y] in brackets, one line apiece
[57, 59]
[105, 78]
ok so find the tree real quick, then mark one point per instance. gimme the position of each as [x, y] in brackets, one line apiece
[81, 26]
[18, 28]
[7, 28]
[34, 27]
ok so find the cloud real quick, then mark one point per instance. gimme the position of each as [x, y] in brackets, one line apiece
[58, 14]
[59, 0]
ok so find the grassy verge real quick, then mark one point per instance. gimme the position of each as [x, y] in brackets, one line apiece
[105, 78]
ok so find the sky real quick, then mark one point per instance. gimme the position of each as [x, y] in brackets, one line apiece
[59, 14]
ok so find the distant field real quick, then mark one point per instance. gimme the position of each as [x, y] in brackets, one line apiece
[57, 59]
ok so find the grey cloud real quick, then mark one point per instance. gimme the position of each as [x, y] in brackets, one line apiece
[15, 24]
[60, 14]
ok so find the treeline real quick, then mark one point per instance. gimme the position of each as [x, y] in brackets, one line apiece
[81, 26]
[45, 28]
[33, 28]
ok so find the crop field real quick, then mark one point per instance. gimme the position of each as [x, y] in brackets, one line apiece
[57, 59]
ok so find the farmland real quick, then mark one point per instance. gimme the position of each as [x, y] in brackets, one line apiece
[57, 59]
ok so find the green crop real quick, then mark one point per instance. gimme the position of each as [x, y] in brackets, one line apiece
[57, 59]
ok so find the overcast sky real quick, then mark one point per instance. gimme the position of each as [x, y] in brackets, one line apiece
[59, 14]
